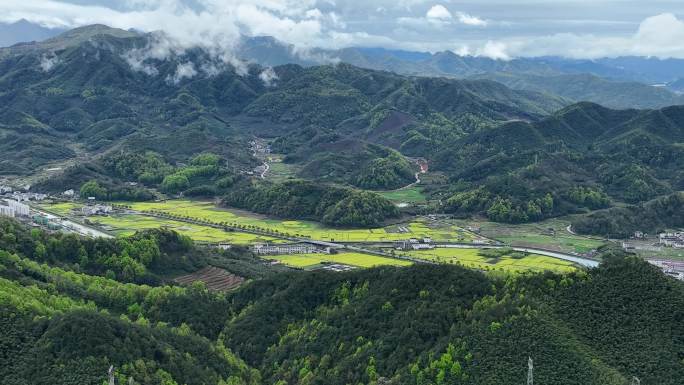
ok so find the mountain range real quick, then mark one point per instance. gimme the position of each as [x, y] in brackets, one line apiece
[640, 82]
[513, 155]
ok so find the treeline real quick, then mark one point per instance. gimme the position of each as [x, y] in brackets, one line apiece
[300, 199]
[93, 189]
[204, 176]
[148, 168]
[498, 208]
[621, 222]
[508, 199]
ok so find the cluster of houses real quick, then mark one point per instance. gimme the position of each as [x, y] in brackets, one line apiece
[415, 244]
[672, 268]
[12, 208]
[96, 210]
[297, 248]
[21, 196]
[674, 240]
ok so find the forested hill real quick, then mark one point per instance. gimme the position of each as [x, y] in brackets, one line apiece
[96, 88]
[95, 98]
[581, 157]
[589, 87]
[419, 325]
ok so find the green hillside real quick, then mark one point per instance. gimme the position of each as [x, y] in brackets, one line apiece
[513, 156]
[95, 97]
[63, 322]
[590, 88]
[582, 157]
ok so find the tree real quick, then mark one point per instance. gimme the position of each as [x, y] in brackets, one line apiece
[93, 189]
[175, 183]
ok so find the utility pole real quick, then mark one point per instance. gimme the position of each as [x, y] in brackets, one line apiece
[530, 370]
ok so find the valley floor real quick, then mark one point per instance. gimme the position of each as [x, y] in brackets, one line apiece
[203, 222]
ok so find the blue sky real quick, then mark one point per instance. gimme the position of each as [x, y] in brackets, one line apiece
[495, 28]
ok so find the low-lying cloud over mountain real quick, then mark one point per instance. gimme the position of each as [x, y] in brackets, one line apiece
[500, 29]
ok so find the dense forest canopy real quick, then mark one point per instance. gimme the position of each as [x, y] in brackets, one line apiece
[426, 324]
[622, 222]
[298, 199]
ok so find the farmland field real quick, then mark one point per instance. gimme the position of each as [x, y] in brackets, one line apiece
[471, 258]
[352, 259]
[128, 224]
[62, 208]
[279, 171]
[408, 195]
[550, 234]
[206, 210]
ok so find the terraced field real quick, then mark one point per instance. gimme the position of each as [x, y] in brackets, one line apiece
[471, 258]
[214, 278]
[352, 259]
[208, 211]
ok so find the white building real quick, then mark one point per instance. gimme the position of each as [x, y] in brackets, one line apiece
[20, 209]
[671, 239]
[68, 193]
[6, 211]
[21, 197]
[263, 249]
[96, 210]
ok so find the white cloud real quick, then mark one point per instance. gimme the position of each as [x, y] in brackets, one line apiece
[314, 14]
[658, 36]
[661, 35]
[48, 62]
[216, 26]
[438, 16]
[494, 50]
[438, 12]
[268, 76]
[183, 71]
[471, 20]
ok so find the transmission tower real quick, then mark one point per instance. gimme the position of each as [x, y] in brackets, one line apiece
[110, 374]
[530, 371]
